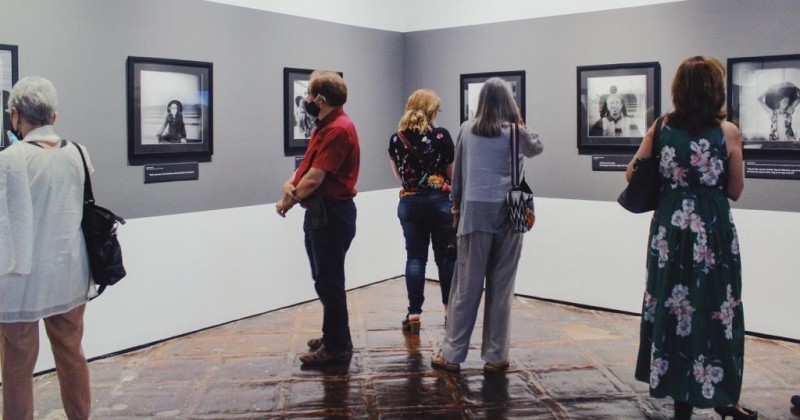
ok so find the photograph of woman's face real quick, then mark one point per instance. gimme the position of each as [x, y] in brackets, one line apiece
[173, 109]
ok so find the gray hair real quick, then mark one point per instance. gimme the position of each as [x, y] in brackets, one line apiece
[35, 99]
[496, 107]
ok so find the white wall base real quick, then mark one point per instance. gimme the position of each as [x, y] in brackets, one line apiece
[190, 271]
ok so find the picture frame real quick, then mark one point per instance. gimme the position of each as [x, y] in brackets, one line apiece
[170, 108]
[763, 96]
[635, 93]
[9, 75]
[297, 124]
[471, 84]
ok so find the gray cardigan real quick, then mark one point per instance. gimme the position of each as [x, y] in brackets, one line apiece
[482, 177]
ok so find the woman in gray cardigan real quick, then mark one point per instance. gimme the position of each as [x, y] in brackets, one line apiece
[488, 247]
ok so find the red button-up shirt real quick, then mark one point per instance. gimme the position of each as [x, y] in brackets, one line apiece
[333, 148]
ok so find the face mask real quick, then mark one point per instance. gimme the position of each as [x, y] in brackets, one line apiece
[311, 108]
[12, 135]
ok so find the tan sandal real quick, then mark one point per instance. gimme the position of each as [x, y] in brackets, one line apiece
[412, 324]
[439, 362]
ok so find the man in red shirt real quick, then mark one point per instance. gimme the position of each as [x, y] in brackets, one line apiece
[324, 185]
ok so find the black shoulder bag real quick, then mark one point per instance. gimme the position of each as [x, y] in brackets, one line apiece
[100, 231]
[641, 194]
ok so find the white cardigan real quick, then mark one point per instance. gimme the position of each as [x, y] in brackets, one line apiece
[44, 269]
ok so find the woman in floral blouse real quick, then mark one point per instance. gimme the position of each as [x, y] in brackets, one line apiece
[421, 157]
[692, 330]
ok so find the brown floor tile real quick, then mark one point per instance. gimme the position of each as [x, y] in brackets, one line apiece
[229, 399]
[579, 383]
[415, 391]
[512, 388]
[336, 393]
[566, 363]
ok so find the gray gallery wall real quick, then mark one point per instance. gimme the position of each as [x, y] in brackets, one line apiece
[82, 45]
[550, 49]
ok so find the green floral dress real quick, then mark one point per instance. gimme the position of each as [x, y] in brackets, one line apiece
[692, 329]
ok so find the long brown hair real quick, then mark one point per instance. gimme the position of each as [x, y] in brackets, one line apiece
[496, 107]
[421, 109]
[698, 94]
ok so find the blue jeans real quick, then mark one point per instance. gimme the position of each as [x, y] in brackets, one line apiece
[426, 218]
[326, 248]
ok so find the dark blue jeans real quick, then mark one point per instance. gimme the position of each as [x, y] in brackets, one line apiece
[426, 218]
[326, 248]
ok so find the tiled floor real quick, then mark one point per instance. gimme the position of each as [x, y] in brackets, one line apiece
[565, 363]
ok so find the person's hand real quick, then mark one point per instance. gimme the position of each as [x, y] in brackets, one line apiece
[288, 189]
[282, 207]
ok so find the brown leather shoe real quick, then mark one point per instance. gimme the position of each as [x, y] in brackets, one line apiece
[314, 343]
[324, 357]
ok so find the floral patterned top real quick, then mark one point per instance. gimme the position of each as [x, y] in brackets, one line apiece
[436, 148]
[692, 329]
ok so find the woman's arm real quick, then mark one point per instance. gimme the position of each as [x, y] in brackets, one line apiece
[792, 106]
[161, 130]
[395, 171]
[645, 150]
[762, 100]
[733, 142]
[529, 142]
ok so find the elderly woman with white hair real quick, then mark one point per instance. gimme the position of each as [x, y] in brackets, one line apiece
[44, 269]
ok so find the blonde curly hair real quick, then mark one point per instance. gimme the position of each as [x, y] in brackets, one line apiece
[421, 109]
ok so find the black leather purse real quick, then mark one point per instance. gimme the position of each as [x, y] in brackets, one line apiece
[100, 232]
[641, 194]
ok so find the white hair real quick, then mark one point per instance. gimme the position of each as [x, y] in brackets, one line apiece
[35, 99]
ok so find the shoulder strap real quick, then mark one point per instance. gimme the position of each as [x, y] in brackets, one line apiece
[411, 148]
[514, 147]
[656, 135]
[88, 197]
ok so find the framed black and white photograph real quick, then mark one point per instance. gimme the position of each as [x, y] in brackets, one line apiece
[297, 124]
[9, 74]
[616, 105]
[471, 85]
[169, 108]
[763, 97]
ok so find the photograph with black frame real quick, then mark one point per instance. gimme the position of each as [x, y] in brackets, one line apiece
[617, 103]
[170, 108]
[471, 85]
[9, 74]
[297, 124]
[763, 97]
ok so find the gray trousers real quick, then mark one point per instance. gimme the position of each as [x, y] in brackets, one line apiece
[490, 256]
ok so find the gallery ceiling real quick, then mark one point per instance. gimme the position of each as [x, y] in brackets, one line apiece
[417, 15]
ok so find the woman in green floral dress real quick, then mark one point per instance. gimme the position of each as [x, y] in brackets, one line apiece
[692, 330]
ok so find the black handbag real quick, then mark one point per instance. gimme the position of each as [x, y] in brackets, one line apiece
[641, 193]
[100, 232]
[521, 213]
